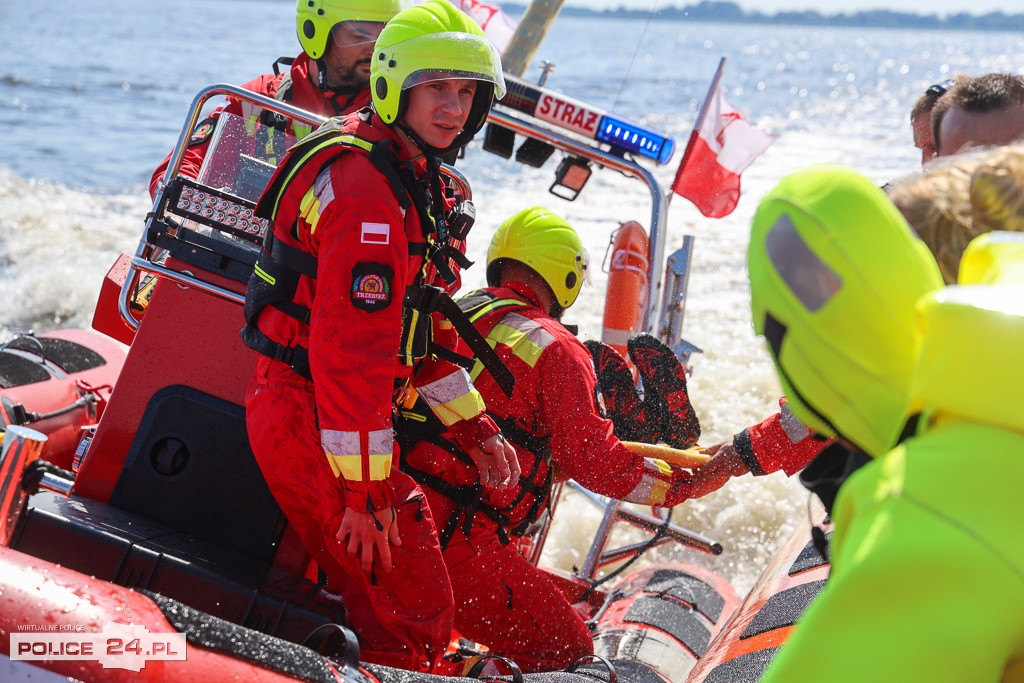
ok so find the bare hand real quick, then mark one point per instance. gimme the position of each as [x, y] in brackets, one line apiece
[724, 464]
[363, 536]
[496, 461]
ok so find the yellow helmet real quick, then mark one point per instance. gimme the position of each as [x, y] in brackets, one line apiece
[314, 19]
[544, 241]
[835, 273]
[993, 257]
[428, 42]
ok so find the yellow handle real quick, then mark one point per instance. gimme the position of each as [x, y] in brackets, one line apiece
[690, 457]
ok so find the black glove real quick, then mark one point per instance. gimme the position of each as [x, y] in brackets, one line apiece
[667, 406]
[618, 390]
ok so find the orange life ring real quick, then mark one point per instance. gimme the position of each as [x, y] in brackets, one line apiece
[628, 277]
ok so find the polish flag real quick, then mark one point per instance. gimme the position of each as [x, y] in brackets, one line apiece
[719, 150]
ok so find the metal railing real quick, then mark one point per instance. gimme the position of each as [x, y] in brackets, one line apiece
[143, 261]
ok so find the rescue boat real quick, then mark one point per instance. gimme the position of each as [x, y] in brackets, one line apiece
[58, 384]
[139, 541]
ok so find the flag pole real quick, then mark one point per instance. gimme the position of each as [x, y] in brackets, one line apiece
[697, 125]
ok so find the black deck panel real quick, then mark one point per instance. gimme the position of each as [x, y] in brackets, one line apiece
[783, 609]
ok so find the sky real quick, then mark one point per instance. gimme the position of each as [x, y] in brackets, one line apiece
[940, 7]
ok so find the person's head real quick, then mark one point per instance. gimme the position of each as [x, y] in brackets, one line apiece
[539, 248]
[834, 276]
[981, 111]
[921, 116]
[960, 197]
[433, 75]
[339, 35]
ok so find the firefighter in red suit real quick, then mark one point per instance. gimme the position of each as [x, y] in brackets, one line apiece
[335, 307]
[328, 78]
[536, 266]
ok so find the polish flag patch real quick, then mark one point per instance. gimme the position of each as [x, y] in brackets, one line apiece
[375, 233]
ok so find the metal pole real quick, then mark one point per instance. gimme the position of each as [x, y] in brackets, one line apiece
[528, 36]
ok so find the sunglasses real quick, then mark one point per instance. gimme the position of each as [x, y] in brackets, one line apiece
[940, 88]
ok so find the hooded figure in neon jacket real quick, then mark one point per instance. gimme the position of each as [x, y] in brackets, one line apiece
[927, 579]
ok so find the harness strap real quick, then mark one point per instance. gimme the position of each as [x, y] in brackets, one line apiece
[430, 299]
[294, 258]
[282, 61]
[295, 357]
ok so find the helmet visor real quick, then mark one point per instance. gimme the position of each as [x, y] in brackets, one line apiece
[356, 33]
[583, 266]
[443, 56]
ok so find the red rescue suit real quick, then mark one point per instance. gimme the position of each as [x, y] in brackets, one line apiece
[501, 599]
[296, 86]
[780, 442]
[326, 444]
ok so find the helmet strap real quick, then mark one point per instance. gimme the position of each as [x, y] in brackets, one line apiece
[433, 178]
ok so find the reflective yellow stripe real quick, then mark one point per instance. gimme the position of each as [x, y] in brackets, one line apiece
[659, 488]
[309, 209]
[301, 131]
[350, 467]
[250, 124]
[264, 275]
[408, 334]
[462, 408]
[345, 139]
[497, 303]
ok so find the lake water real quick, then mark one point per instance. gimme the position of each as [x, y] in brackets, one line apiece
[93, 93]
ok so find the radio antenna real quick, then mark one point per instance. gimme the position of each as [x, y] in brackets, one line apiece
[622, 85]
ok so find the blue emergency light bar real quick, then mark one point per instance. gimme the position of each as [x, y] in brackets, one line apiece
[582, 119]
[635, 138]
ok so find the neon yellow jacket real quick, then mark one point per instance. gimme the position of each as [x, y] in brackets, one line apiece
[927, 579]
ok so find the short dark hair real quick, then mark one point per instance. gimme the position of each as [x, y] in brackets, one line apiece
[979, 95]
[930, 96]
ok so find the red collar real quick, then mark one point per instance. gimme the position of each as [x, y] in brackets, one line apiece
[525, 291]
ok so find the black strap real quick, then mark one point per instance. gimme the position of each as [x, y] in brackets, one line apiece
[383, 157]
[433, 299]
[283, 61]
[298, 260]
[450, 356]
[295, 357]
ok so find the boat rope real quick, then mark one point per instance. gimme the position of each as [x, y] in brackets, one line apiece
[643, 549]
[639, 43]
[81, 401]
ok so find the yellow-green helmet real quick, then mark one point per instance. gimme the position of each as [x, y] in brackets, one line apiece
[835, 273]
[314, 19]
[544, 241]
[994, 257]
[428, 42]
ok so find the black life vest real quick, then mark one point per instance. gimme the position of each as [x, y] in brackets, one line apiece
[416, 424]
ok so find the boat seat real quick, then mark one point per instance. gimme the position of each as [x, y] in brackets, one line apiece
[172, 443]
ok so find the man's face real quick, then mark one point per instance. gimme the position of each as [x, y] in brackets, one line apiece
[438, 110]
[960, 129]
[923, 140]
[347, 60]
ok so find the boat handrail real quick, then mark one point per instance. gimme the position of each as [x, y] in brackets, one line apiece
[600, 556]
[144, 260]
[540, 130]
